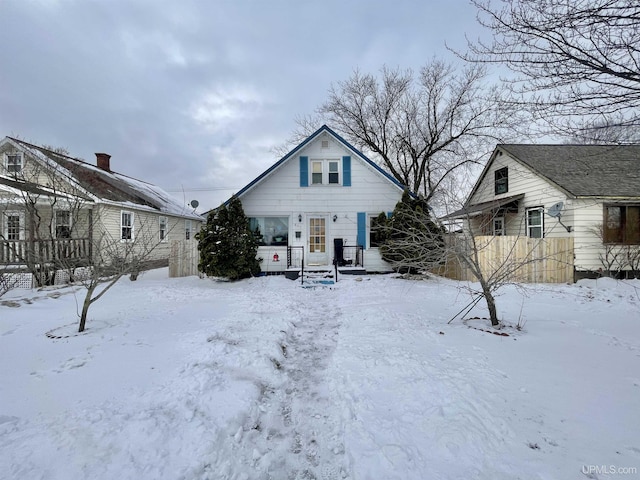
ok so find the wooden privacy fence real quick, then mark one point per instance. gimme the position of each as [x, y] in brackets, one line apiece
[521, 259]
[183, 258]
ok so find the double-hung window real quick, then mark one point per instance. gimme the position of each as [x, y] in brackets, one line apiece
[501, 180]
[162, 227]
[325, 172]
[535, 222]
[621, 224]
[498, 226]
[187, 229]
[13, 162]
[126, 225]
[63, 223]
[13, 228]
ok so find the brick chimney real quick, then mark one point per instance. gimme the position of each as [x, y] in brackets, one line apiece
[102, 160]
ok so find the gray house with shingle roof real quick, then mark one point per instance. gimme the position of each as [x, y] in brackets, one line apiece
[588, 192]
[54, 207]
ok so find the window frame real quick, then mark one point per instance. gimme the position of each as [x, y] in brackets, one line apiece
[130, 226]
[56, 223]
[326, 173]
[501, 179]
[188, 229]
[624, 234]
[268, 238]
[13, 171]
[162, 229]
[5, 225]
[529, 226]
[501, 231]
[371, 218]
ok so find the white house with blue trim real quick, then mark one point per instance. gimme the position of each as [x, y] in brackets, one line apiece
[316, 205]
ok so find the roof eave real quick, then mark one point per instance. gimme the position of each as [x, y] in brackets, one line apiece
[309, 139]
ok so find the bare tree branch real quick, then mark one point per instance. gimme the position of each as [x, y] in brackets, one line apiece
[574, 60]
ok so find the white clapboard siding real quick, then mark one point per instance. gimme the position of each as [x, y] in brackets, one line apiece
[280, 194]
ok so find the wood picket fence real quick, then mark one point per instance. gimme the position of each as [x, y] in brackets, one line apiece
[183, 258]
[526, 260]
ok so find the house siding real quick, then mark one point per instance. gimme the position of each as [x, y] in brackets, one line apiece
[280, 194]
[537, 193]
[588, 215]
[584, 215]
[146, 229]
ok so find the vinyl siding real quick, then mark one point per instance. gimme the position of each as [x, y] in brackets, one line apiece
[537, 193]
[146, 228]
[583, 215]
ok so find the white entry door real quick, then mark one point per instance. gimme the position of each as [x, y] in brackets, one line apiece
[317, 241]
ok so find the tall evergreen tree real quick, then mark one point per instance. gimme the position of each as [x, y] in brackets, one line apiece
[228, 248]
[410, 239]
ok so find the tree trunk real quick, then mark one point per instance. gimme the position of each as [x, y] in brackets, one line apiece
[85, 307]
[491, 304]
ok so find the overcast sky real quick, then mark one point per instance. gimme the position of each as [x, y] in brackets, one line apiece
[194, 94]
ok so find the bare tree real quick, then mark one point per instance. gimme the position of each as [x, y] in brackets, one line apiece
[576, 62]
[600, 132]
[423, 129]
[52, 226]
[50, 220]
[113, 259]
[493, 261]
[616, 257]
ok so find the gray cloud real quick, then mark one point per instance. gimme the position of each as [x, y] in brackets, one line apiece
[194, 94]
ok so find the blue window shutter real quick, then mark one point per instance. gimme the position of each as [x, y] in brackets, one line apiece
[362, 229]
[304, 171]
[389, 214]
[346, 171]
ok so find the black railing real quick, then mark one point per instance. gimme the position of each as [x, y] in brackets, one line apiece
[352, 256]
[295, 259]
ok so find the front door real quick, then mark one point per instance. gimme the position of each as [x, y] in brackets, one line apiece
[317, 244]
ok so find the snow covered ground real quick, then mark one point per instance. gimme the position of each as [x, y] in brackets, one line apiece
[263, 379]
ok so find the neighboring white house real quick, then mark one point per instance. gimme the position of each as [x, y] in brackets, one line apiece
[319, 200]
[588, 192]
[53, 205]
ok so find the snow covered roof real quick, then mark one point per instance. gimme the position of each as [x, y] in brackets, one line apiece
[106, 186]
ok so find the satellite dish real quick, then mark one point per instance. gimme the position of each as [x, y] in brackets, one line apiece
[555, 210]
[195, 203]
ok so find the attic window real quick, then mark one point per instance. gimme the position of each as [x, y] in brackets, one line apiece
[502, 180]
[325, 172]
[13, 162]
[325, 144]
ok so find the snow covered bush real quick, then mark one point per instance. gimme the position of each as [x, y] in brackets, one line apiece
[228, 247]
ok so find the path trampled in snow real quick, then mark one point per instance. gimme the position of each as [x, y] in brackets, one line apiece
[294, 431]
[261, 379]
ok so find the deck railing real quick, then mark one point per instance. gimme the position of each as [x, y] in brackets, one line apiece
[60, 250]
